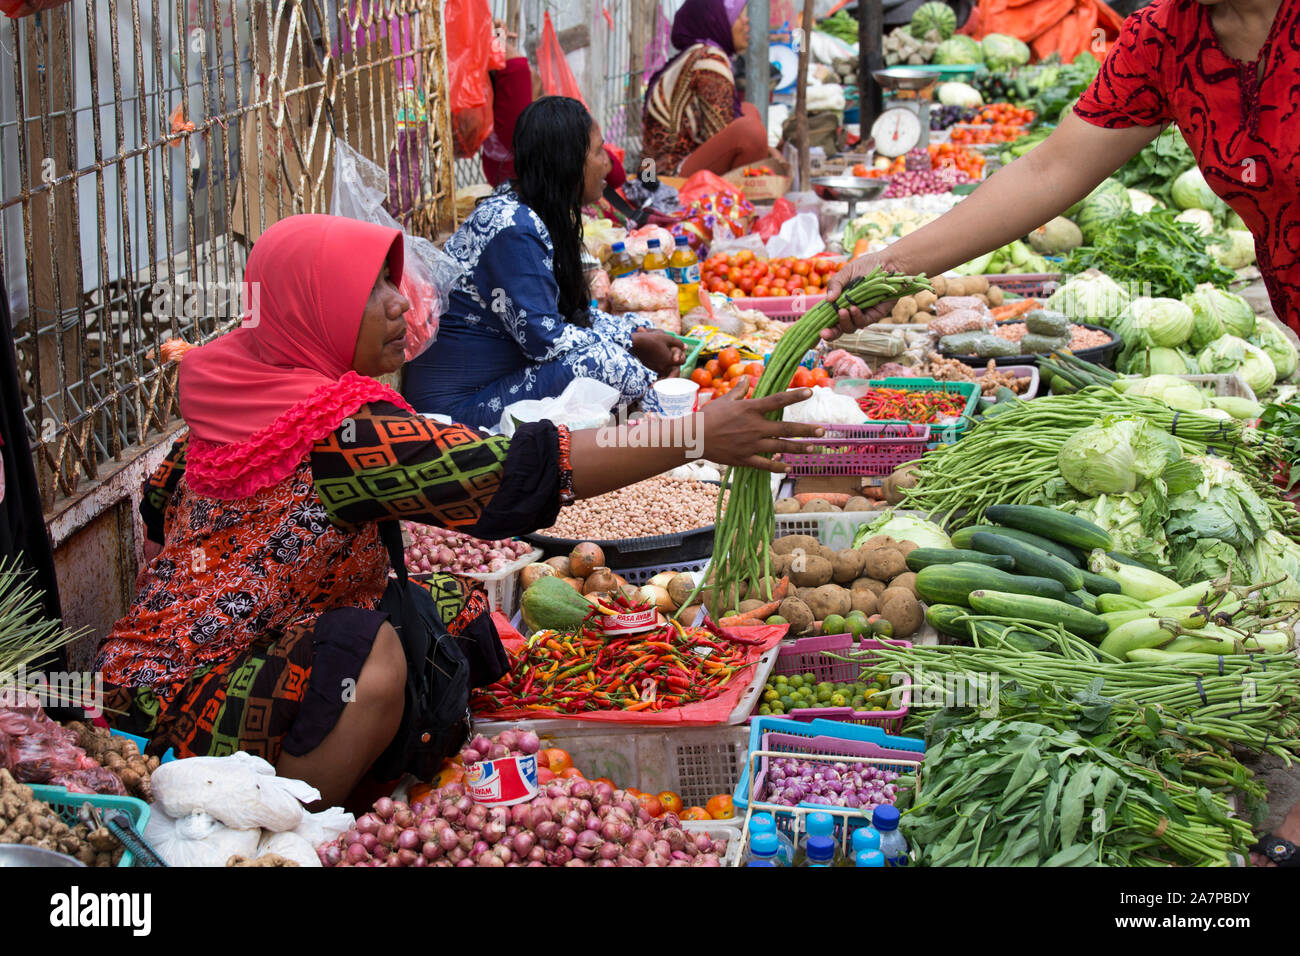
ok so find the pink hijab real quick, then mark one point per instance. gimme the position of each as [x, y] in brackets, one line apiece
[257, 398]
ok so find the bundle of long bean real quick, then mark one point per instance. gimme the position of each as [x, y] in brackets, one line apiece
[744, 529]
[1010, 458]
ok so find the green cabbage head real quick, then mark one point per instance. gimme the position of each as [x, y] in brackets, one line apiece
[1155, 321]
[1277, 346]
[1215, 313]
[1116, 456]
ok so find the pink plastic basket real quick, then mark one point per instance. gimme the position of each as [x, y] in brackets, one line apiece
[876, 448]
[782, 308]
[812, 655]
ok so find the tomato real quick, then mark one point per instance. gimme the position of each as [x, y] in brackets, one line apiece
[777, 287]
[720, 807]
[783, 272]
[745, 255]
[735, 372]
[715, 285]
[747, 285]
[670, 801]
[713, 367]
[570, 773]
[701, 378]
[651, 804]
[695, 813]
[555, 759]
[633, 791]
[754, 370]
[802, 378]
[727, 358]
[761, 291]
[544, 774]
[801, 268]
[820, 376]
[734, 276]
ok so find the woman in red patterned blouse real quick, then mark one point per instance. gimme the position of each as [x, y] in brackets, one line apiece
[1227, 72]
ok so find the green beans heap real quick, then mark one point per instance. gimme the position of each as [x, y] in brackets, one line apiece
[744, 529]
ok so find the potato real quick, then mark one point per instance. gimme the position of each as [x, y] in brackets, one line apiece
[781, 565]
[787, 506]
[903, 611]
[680, 588]
[864, 600]
[858, 503]
[906, 580]
[688, 615]
[870, 584]
[826, 552]
[797, 613]
[925, 299]
[818, 505]
[906, 547]
[879, 541]
[811, 571]
[884, 564]
[893, 592]
[995, 296]
[761, 588]
[830, 599]
[796, 542]
[804, 594]
[846, 566]
[940, 284]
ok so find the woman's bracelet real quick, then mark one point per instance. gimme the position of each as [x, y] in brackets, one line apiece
[566, 468]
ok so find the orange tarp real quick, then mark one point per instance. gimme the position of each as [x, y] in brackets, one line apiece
[1068, 27]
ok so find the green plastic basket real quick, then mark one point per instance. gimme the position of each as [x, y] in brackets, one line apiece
[939, 434]
[693, 347]
[66, 805]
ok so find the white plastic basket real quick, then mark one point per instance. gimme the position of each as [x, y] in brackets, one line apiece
[835, 529]
[503, 586]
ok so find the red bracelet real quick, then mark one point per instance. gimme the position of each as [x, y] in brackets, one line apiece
[566, 469]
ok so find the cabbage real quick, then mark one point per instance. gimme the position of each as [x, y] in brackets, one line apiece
[1121, 516]
[1216, 313]
[1236, 251]
[1158, 321]
[1228, 354]
[1208, 559]
[933, 16]
[1191, 191]
[1233, 221]
[1142, 202]
[1201, 219]
[1158, 361]
[959, 94]
[1277, 346]
[1090, 296]
[1116, 456]
[958, 50]
[904, 527]
[1002, 52]
[1222, 506]
[1177, 393]
[1271, 557]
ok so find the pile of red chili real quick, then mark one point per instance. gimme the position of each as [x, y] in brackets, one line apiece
[572, 673]
[924, 408]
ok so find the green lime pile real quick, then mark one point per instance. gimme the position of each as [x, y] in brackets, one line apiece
[858, 625]
[786, 692]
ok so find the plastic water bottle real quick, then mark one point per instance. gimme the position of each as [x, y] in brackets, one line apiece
[864, 838]
[870, 858]
[817, 824]
[762, 849]
[821, 851]
[892, 843]
[684, 269]
[621, 262]
[763, 823]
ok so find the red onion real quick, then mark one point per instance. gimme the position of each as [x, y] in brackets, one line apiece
[547, 830]
[676, 838]
[576, 862]
[457, 854]
[542, 812]
[643, 836]
[616, 831]
[387, 834]
[368, 823]
[521, 815]
[493, 832]
[709, 860]
[420, 861]
[567, 837]
[593, 821]
[602, 793]
[479, 848]
[523, 843]
[559, 856]
[453, 790]
[574, 820]
[331, 854]
[408, 839]
[369, 841]
[380, 852]
[406, 857]
[467, 862]
[605, 861]
[448, 839]
[536, 863]
[467, 839]
[451, 813]
[586, 844]
[537, 854]
[351, 837]
[680, 855]
[384, 808]
[679, 863]
[426, 831]
[481, 744]
[704, 843]
[636, 850]
[555, 790]
[476, 818]
[644, 815]
[560, 805]
[608, 851]
[508, 739]
[529, 742]
[357, 853]
[580, 789]
[431, 851]
[626, 860]
[465, 804]
[497, 751]
[503, 853]
[663, 848]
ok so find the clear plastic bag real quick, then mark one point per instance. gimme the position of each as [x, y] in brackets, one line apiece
[585, 403]
[196, 839]
[428, 273]
[240, 791]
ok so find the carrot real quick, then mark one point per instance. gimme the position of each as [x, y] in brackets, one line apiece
[1013, 309]
[833, 498]
[756, 616]
[875, 492]
[860, 247]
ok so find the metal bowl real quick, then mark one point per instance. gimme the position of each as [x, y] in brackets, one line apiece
[848, 188]
[16, 855]
[905, 78]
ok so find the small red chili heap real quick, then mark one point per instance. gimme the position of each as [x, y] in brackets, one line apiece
[924, 408]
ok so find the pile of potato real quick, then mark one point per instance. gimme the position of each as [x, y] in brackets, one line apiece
[872, 578]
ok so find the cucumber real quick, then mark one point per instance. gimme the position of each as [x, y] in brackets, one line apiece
[925, 557]
[1050, 523]
[1097, 585]
[1027, 607]
[1030, 560]
[953, 583]
[1086, 600]
[1119, 602]
[942, 617]
[962, 539]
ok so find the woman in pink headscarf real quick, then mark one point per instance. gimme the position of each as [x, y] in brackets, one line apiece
[256, 624]
[694, 118]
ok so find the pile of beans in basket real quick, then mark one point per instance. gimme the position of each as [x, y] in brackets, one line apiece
[1080, 337]
[651, 507]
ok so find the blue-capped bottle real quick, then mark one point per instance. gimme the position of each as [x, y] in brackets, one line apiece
[762, 849]
[818, 823]
[870, 858]
[821, 851]
[763, 823]
[865, 837]
[892, 843]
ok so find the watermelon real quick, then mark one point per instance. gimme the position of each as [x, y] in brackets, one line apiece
[1105, 204]
[935, 16]
[957, 50]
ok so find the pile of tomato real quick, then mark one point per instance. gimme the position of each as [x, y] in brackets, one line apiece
[987, 133]
[742, 274]
[941, 155]
[1007, 114]
[718, 376]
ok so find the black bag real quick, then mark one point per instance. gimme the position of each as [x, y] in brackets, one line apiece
[436, 721]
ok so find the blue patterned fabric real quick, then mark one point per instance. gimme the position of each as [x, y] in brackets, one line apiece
[502, 339]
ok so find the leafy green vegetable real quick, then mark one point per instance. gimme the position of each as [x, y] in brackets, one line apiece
[1002, 51]
[958, 50]
[1283, 421]
[1275, 556]
[902, 527]
[1155, 168]
[1279, 348]
[1090, 297]
[1191, 191]
[1236, 250]
[1217, 312]
[1222, 506]
[1150, 322]
[1121, 516]
[840, 25]
[1173, 391]
[1154, 248]
[1228, 354]
[1116, 456]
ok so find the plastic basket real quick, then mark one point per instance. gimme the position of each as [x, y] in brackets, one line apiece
[876, 448]
[693, 347]
[66, 805]
[812, 655]
[640, 576]
[782, 308]
[835, 529]
[1031, 285]
[503, 586]
[941, 434]
[1021, 371]
[1230, 385]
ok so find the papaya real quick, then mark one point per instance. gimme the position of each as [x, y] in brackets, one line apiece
[550, 604]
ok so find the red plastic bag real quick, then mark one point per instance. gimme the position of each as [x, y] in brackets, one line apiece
[768, 226]
[557, 78]
[469, 56]
[704, 183]
[14, 9]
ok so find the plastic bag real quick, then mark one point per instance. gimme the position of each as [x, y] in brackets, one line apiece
[428, 273]
[585, 403]
[240, 790]
[770, 224]
[196, 839]
[318, 828]
[557, 77]
[826, 408]
[666, 320]
[642, 293]
[638, 241]
[468, 25]
[704, 184]
[290, 846]
[800, 237]
[730, 244]
[963, 320]
[14, 9]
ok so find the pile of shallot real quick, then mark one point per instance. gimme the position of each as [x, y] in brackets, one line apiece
[437, 549]
[572, 822]
[790, 782]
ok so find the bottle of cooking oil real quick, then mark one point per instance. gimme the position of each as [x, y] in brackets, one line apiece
[684, 269]
[655, 262]
[621, 262]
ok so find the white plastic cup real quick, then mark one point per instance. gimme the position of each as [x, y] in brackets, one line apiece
[676, 396]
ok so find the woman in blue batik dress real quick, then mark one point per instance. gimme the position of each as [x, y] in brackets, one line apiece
[519, 323]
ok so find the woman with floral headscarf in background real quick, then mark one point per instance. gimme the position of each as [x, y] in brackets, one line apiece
[694, 118]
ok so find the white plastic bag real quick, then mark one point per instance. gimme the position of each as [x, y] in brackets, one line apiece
[800, 237]
[290, 846]
[196, 839]
[826, 408]
[241, 791]
[318, 828]
[586, 403]
[428, 273]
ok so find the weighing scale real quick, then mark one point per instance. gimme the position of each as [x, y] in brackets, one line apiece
[904, 121]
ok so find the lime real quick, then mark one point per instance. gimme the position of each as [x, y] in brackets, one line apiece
[837, 700]
[781, 679]
[826, 686]
[770, 694]
[834, 624]
[764, 710]
[810, 679]
[796, 681]
[786, 702]
[882, 628]
[777, 619]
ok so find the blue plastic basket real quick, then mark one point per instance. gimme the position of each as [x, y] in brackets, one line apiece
[66, 805]
[141, 743]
